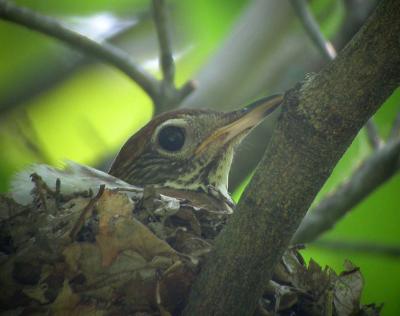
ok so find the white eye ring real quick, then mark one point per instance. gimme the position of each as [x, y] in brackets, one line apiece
[176, 142]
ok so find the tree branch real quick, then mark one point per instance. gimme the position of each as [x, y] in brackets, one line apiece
[395, 131]
[373, 136]
[104, 51]
[164, 39]
[362, 247]
[311, 26]
[374, 171]
[168, 96]
[319, 121]
[31, 85]
[107, 52]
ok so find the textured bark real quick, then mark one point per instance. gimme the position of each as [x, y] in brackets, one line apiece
[320, 119]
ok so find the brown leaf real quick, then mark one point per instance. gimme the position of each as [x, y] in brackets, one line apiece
[348, 289]
[119, 231]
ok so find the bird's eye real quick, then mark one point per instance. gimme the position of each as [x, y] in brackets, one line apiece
[171, 138]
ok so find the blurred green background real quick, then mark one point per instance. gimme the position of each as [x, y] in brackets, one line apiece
[56, 104]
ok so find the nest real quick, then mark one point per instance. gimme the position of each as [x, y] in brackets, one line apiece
[117, 254]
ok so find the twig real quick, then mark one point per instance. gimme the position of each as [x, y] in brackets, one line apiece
[57, 193]
[41, 189]
[395, 131]
[373, 172]
[168, 95]
[163, 94]
[164, 40]
[365, 247]
[104, 51]
[313, 29]
[51, 77]
[373, 135]
[88, 209]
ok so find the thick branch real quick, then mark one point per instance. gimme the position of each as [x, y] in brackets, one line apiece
[374, 171]
[103, 51]
[319, 122]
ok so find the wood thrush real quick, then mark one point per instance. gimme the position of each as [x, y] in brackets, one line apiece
[184, 153]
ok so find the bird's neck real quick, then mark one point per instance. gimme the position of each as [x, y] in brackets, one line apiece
[211, 178]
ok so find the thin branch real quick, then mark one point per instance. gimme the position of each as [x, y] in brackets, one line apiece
[163, 94]
[185, 90]
[50, 77]
[395, 131]
[104, 51]
[86, 212]
[363, 247]
[374, 171]
[373, 135]
[164, 40]
[311, 26]
[168, 95]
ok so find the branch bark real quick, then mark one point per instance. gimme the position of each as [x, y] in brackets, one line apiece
[320, 119]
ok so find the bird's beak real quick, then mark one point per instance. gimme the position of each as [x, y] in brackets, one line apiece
[244, 120]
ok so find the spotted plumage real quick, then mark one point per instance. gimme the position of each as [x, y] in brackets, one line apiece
[188, 149]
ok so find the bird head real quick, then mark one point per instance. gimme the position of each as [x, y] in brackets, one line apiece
[188, 149]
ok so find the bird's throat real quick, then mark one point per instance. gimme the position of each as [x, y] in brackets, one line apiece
[211, 176]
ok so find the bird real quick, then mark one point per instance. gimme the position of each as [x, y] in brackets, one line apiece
[185, 153]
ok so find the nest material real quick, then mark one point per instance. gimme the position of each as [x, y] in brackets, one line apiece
[116, 255]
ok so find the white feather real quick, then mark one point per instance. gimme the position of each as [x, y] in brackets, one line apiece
[74, 178]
